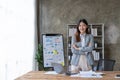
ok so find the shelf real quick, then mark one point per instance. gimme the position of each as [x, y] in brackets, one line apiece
[98, 48]
[99, 36]
[94, 48]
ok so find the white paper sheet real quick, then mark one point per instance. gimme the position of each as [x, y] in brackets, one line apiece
[88, 74]
[51, 72]
[117, 77]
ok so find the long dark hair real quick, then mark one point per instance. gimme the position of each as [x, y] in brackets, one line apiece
[77, 34]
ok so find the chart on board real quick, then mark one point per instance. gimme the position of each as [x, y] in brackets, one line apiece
[53, 51]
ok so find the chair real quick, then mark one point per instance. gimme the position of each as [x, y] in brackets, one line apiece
[105, 65]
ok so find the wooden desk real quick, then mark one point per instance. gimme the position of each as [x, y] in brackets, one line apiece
[39, 75]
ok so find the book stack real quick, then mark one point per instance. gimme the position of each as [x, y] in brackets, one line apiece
[96, 55]
[72, 31]
[94, 31]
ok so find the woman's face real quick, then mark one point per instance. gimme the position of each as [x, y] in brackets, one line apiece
[82, 27]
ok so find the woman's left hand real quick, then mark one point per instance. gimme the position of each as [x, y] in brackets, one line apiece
[75, 47]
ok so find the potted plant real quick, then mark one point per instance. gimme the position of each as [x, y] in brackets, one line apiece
[39, 57]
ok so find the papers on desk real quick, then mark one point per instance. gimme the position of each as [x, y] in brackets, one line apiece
[88, 74]
[51, 72]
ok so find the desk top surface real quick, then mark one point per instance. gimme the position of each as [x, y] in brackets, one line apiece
[39, 75]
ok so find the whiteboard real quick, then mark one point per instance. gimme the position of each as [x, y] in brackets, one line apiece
[53, 50]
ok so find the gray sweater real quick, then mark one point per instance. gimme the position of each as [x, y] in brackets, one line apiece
[87, 49]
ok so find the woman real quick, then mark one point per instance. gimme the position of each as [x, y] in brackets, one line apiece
[82, 46]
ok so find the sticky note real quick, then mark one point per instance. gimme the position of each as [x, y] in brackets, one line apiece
[55, 52]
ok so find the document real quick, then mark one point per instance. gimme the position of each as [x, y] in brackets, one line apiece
[88, 74]
[51, 72]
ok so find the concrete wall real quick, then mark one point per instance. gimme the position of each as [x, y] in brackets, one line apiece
[56, 14]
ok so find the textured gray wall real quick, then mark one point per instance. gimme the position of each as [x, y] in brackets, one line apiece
[56, 14]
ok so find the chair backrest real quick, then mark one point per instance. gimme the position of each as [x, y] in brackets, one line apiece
[105, 65]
